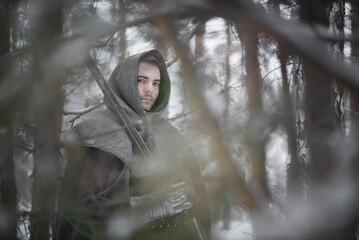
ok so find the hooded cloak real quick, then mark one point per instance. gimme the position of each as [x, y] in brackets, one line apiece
[102, 134]
[102, 129]
[112, 159]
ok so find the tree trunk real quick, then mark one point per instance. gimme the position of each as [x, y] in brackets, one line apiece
[294, 182]
[255, 138]
[320, 120]
[354, 107]
[339, 23]
[8, 199]
[123, 39]
[354, 96]
[48, 105]
[228, 74]
[160, 42]
[199, 40]
[319, 110]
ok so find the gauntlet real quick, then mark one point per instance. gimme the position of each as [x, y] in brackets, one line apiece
[166, 202]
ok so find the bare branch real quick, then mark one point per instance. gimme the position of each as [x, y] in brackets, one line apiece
[83, 111]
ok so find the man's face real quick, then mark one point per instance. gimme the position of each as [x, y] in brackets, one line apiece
[148, 82]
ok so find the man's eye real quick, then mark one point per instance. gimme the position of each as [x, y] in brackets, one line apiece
[157, 84]
[139, 80]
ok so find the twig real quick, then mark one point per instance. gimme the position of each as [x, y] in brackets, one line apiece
[171, 62]
[81, 112]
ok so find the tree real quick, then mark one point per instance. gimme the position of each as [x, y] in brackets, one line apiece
[8, 199]
[48, 120]
[291, 64]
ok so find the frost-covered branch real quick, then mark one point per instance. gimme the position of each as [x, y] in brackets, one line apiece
[81, 112]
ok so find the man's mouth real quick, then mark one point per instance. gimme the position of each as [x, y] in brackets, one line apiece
[146, 99]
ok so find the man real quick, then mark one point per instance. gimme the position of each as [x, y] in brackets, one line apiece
[158, 194]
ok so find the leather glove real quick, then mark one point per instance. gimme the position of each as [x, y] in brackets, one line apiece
[163, 203]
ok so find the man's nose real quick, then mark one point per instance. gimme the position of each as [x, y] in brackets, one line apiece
[148, 88]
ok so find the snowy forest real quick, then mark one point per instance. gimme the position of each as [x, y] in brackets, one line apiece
[266, 92]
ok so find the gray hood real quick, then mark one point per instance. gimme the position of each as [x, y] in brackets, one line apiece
[102, 130]
[123, 82]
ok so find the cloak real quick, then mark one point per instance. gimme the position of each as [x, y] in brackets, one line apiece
[102, 130]
[113, 164]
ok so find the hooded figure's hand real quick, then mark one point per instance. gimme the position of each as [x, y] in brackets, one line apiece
[163, 203]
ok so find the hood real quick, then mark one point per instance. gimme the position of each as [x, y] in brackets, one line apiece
[101, 129]
[123, 82]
